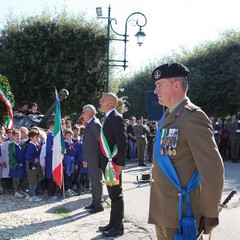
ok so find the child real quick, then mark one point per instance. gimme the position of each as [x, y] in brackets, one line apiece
[24, 136]
[76, 131]
[5, 157]
[1, 188]
[46, 163]
[34, 171]
[17, 165]
[83, 178]
[69, 163]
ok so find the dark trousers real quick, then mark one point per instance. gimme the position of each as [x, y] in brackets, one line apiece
[235, 147]
[141, 146]
[84, 180]
[68, 180]
[19, 184]
[51, 187]
[117, 205]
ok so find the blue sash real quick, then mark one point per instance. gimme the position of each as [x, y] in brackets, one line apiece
[167, 167]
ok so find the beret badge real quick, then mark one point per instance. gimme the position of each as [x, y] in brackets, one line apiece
[157, 74]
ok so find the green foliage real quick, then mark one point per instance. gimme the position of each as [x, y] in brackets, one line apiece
[40, 53]
[135, 88]
[7, 89]
[214, 81]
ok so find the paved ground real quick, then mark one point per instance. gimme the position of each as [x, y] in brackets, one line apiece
[137, 200]
[20, 219]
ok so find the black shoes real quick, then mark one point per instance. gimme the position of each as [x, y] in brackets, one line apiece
[91, 206]
[142, 164]
[96, 209]
[104, 228]
[112, 232]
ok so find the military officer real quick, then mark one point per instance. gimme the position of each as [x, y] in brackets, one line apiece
[216, 129]
[186, 138]
[234, 133]
[140, 131]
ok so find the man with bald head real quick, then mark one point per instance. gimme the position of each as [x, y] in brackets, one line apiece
[114, 133]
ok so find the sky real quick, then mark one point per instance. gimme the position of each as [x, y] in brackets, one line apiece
[171, 24]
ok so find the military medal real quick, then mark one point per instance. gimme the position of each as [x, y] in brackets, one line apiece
[172, 143]
[170, 152]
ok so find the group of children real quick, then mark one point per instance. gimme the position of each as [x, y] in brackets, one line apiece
[26, 157]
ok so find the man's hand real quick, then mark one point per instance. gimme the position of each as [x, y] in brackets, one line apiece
[207, 224]
[19, 165]
[84, 164]
[4, 164]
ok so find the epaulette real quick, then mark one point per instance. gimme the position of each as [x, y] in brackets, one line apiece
[191, 107]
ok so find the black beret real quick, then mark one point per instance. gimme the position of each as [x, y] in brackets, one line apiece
[139, 117]
[170, 70]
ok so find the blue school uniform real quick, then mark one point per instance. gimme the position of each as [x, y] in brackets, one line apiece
[69, 159]
[80, 159]
[32, 153]
[17, 161]
[49, 155]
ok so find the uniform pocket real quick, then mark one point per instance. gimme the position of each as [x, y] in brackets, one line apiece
[172, 192]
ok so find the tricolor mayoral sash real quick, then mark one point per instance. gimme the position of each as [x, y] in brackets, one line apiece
[111, 178]
[187, 224]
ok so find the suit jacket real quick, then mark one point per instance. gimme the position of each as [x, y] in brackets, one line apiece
[195, 148]
[115, 133]
[90, 140]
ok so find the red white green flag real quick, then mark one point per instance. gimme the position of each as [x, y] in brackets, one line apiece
[111, 178]
[58, 147]
[8, 104]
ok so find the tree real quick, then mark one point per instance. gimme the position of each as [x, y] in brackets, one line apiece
[214, 81]
[40, 53]
[7, 89]
[135, 88]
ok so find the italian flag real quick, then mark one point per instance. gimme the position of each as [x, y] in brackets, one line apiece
[58, 147]
[111, 178]
[4, 98]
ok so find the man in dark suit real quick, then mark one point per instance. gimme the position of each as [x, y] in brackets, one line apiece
[114, 132]
[90, 156]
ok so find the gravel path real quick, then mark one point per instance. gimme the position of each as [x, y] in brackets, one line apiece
[21, 219]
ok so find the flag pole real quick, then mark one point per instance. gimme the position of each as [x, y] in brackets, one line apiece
[58, 148]
[63, 185]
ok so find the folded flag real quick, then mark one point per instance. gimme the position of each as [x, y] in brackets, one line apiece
[8, 104]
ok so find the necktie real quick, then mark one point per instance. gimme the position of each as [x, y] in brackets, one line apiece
[105, 117]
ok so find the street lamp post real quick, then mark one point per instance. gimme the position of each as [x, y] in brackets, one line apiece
[124, 37]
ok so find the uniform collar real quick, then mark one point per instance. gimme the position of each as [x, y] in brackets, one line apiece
[175, 112]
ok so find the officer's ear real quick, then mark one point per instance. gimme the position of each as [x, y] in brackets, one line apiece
[177, 84]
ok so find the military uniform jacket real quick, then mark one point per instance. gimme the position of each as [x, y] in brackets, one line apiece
[140, 132]
[195, 148]
[234, 129]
